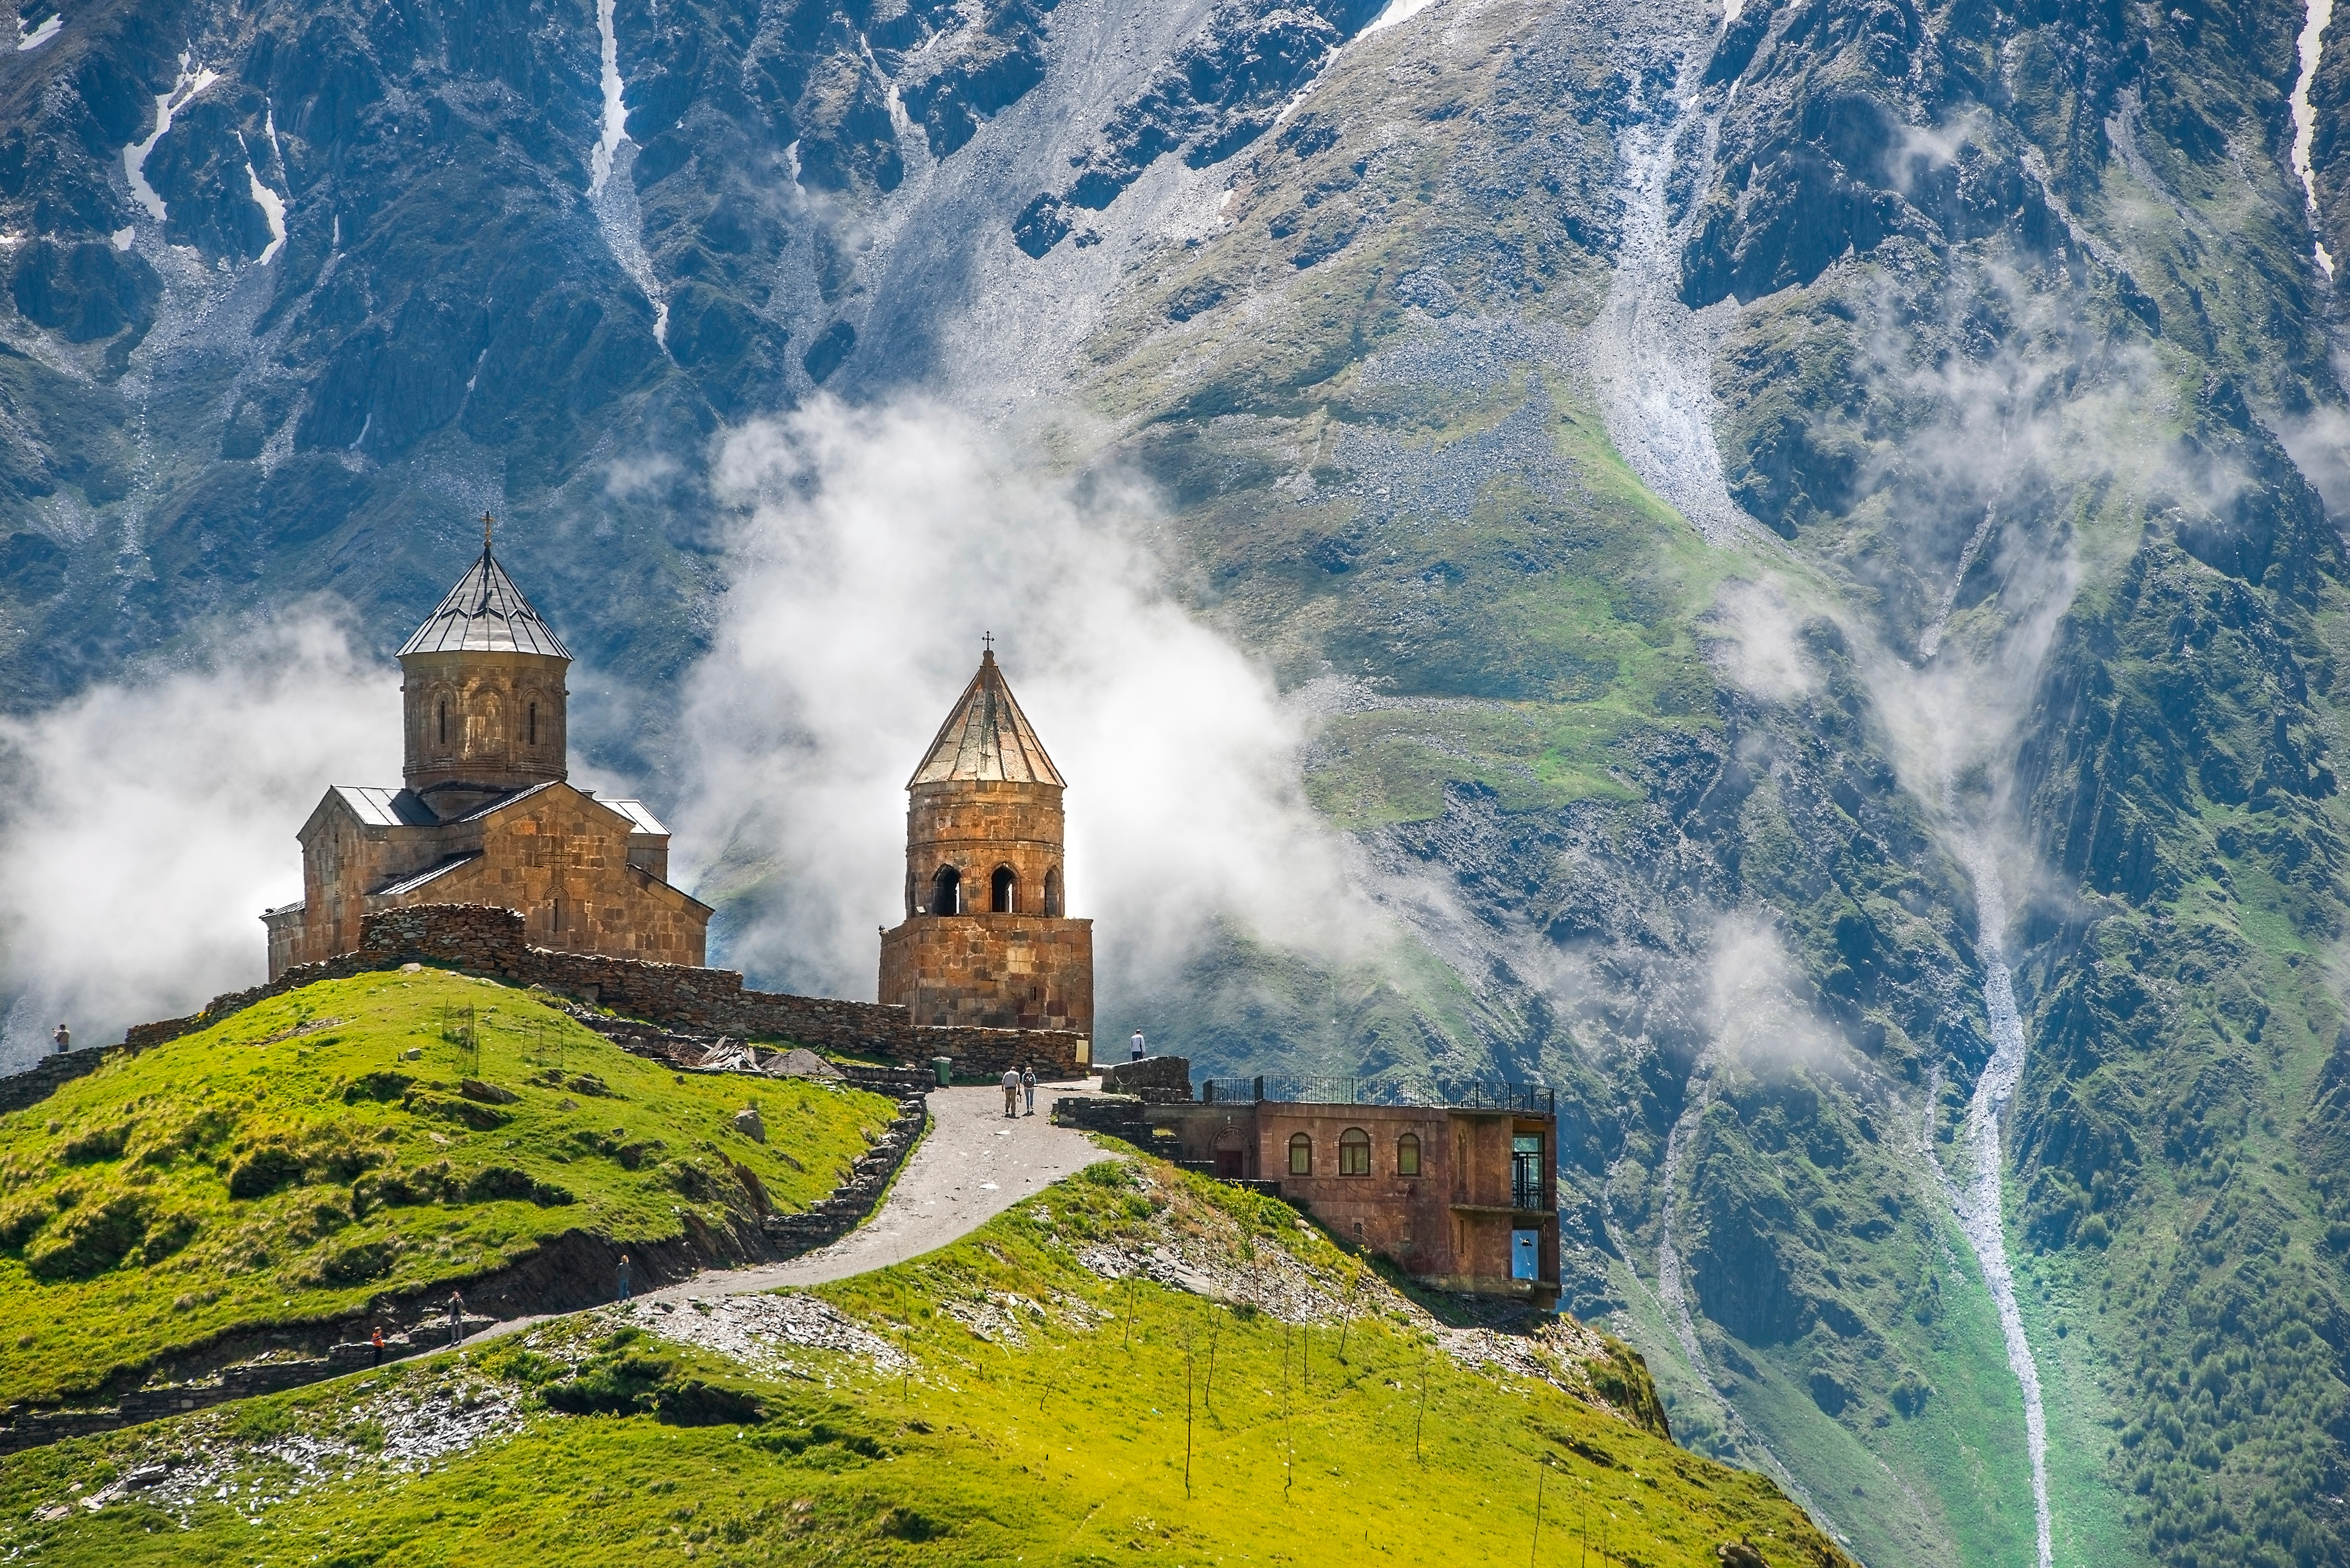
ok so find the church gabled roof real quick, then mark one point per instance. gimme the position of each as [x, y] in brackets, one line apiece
[987, 737]
[485, 613]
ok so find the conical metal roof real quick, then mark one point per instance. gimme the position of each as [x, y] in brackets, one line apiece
[485, 613]
[987, 737]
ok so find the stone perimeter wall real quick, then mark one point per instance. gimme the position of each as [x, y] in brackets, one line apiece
[481, 939]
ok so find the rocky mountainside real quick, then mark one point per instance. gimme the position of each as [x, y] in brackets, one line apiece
[1810, 533]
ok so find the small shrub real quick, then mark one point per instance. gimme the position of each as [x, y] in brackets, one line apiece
[263, 1171]
[378, 1087]
[449, 1108]
[169, 1234]
[105, 1143]
[903, 1523]
[22, 1221]
[93, 1240]
[356, 1262]
[495, 1183]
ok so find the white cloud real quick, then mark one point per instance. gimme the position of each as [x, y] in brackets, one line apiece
[145, 825]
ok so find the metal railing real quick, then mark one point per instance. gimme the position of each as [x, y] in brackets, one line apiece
[1473, 1095]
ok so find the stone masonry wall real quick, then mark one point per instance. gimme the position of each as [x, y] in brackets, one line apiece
[481, 939]
[1023, 971]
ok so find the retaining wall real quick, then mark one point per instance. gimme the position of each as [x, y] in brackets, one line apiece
[480, 939]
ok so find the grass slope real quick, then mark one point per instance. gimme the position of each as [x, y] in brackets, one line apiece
[1020, 1397]
[320, 1151]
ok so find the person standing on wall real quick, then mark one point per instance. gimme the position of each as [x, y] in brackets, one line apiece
[1134, 1047]
[1028, 1087]
[1011, 1091]
[64, 1037]
[456, 1317]
[624, 1277]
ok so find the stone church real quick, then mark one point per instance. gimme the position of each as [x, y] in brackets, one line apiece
[987, 937]
[484, 813]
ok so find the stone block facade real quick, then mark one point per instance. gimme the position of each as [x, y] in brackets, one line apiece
[585, 873]
[1002, 971]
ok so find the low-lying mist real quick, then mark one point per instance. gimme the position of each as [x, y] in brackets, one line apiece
[146, 824]
[873, 551]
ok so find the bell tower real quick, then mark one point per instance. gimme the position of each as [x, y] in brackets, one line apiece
[987, 937]
[481, 694]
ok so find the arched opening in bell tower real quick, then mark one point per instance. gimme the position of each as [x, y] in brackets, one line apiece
[1053, 892]
[1002, 889]
[946, 891]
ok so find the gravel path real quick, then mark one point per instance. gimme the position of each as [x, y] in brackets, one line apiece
[972, 1164]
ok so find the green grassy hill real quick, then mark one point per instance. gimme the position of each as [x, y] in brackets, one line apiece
[358, 1141]
[1033, 1394]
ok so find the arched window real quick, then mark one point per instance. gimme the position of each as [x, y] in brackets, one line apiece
[1354, 1152]
[946, 891]
[1301, 1155]
[1053, 892]
[533, 724]
[444, 720]
[1408, 1155]
[1001, 888]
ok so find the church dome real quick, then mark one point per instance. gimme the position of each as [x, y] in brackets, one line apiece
[485, 613]
[987, 737]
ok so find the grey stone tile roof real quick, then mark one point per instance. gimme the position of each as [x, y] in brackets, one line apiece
[485, 613]
[386, 807]
[641, 819]
[413, 880]
[987, 737]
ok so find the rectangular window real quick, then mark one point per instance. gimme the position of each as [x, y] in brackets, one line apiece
[1526, 1170]
[1525, 1254]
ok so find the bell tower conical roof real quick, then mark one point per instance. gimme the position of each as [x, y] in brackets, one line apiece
[485, 613]
[987, 737]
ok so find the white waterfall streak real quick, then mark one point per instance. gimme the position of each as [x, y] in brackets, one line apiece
[616, 110]
[615, 199]
[1932, 641]
[2304, 115]
[1669, 1256]
[1979, 1207]
[1655, 373]
[167, 104]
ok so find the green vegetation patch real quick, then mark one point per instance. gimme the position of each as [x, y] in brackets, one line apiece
[362, 1138]
[1020, 1397]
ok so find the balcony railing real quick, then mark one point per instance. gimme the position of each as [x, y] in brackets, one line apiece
[1473, 1095]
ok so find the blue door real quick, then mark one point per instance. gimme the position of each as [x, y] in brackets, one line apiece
[1525, 1254]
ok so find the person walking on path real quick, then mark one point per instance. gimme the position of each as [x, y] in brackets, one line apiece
[624, 1276]
[64, 1037]
[1011, 1091]
[1134, 1047]
[378, 1343]
[1028, 1087]
[456, 1317]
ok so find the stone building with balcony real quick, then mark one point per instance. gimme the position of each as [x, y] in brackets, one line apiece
[1458, 1186]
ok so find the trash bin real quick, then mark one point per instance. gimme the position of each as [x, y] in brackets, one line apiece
[944, 1067]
